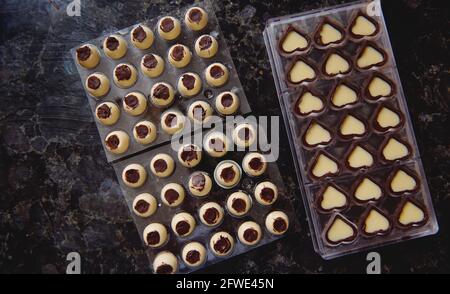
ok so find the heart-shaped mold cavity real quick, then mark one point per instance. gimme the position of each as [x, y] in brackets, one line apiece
[336, 64]
[351, 127]
[411, 214]
[363, 26]
[301, 71]
[328, 32]
[366, 189]
[403, 181]
[323, 166]
[359, 157]
[341, 230]
[332, 198]
[375, 223]
[379, 86]
[386, 118]
[308, 103]
[316, 134]
[343, 94]
[370, 56]
[395, 149]
[293, 40]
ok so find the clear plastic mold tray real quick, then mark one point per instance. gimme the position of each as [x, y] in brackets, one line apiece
[191, 203]
[357, 230]
[170, 75]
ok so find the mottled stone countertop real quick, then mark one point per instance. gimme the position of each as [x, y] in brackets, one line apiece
[58, 194]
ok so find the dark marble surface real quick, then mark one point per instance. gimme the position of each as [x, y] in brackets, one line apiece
[58, 194]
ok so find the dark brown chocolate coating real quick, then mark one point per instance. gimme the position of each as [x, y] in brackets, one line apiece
[142, 206]
[167, 25]
[211, 215]
[177, 53]
[171, 196]
[94, 82]
[103, 111]
[160, 165]
[223, 245]
[132, 176]
[112, 43]
[83, 53]
[205, 43]
[123, 72]
[112, 142]
[131, 101]
[142, 131]
[139, 34]
[150, 61]
[250, 235]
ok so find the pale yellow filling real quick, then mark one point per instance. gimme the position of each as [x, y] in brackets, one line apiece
[293, 41]
[352, 126]
[402, 182]
[301, 71]
[332, 198]
[329, 34]
[368, 190]
[369, 57]
[309, 103]
[316, 134]
[386, 118]
[336, 64]
[394, 150]
[360, 157]
[339, 230]
[379, 87]
[410, 214]
[343, 95]
[324, 165]
[363, 27]
[376, 222]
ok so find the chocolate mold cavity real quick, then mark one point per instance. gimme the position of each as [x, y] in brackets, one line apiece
[343, 95]
[316, 135]
[359, 157]
[394, 149]
[351, 126]
[410, 214]
[366, 189]
[340, 231]
[379, 86]
[331, 198]
[375, 223]
[403, 181]
[301, 71]
[323, 165]
[308, 102]
[386, 118]
[293, 40]
[328, 32]
[362, 26]
[370, 55]
[336, 64]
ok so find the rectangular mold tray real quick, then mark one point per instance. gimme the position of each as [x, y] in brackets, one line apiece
[302, 123]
